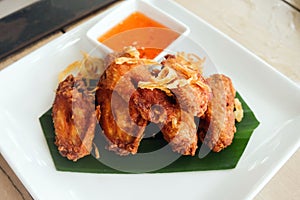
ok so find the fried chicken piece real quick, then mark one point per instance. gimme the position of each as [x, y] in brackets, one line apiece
[178, 127]
[193, 96]
[115, 88]
[181, 80]
[217, 126]
[121, 132]
[154, 106]
[74, 118]
[182, 136]
[123, 73]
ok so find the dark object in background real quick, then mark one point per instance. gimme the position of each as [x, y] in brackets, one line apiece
[39, 19]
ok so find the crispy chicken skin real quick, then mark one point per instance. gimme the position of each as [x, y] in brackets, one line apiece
[122, 77]
[74, 118]
[121, 132]
[178, 127]
[134, 91]
[172, 98]
[193, 97]
[217, 126]
[114, 90]
[182, 135]
[154, 106]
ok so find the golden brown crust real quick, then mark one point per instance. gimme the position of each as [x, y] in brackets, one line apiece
[193, 99]
[194, 96]
[74, 118]
[114, 90]
[178, 127]
[182, 135]
[121, 132]
[122, 78]
[217, 126]
[133, 92]
[154, 105]
[187, 94]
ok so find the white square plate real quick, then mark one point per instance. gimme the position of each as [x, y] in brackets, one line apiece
[27, 91]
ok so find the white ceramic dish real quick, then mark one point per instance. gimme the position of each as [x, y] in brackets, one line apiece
[127, 8]
[27, 91]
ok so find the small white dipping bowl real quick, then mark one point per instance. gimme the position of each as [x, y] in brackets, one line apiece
[127, 8]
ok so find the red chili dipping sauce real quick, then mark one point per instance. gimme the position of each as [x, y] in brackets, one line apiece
[148, 36]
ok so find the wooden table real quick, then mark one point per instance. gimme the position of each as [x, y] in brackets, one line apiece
[269, 28]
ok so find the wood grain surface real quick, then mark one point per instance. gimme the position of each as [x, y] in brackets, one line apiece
[295, 3]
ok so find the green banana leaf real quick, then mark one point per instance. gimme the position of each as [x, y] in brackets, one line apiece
[226, 159]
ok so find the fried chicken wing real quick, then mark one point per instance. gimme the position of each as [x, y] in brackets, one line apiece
[154, 106]
[124, 72]
[217, 126]
[194, 95]
[121, 132]
[178, 127]
[74, 118]
[115, 88]
[134, 91]
[182, 135]
[180, 80]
